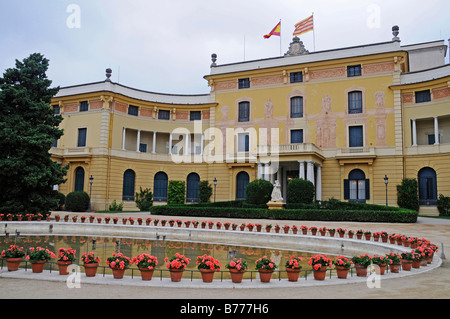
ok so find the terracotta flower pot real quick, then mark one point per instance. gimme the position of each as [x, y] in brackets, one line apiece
[37, 266]
[416, 264]
[342, 272]
[236, 275]
[367, 236]
[361, 271]
[13, 263]
[118, 273]
[331, 232]
[265, 275]
[258, 228]
[406, 265]
[176, 274]
[146, 274]
[90, 269]
[320, 273]
[394, 268]
[293, 274]
[380, 269]
[207, 274]
[62, 266]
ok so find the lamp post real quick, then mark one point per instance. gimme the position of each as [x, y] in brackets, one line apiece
[91, 180]
[386, 183]
[215, 184]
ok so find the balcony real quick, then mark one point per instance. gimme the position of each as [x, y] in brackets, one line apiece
[288, 149]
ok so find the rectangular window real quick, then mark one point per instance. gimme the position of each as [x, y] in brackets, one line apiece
[133, 110]
[84, 106]
[195, 115]
[432, 139]
[244, 112]
[82, 132]
[423, 96]
[355, 136]
[296, 77]
[244, 83]
[354, 70]
[163, 115]
[143, 148]
[56, 109]
[296, 107]
[354, 102]
[243, 142]
[296, 136]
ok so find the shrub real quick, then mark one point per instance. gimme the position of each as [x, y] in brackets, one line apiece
[300, 190]
[176, 192]
[116, 207]
[443, 205]
[407, 195]
[144, 199]
[205, 192]
[258, 192]
[77, 202]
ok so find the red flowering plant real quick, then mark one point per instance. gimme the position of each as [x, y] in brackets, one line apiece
[118, 261]
[238, 264]
[90, 258]
[39, 253]
[363, 260]
[145, 260]
[380, 260]
[342, 261]
[177, 262]
[394, 257]
[208, 262]
[294, 262]
[66, 254]
[265, 263]
[13, 251]
[318, 261]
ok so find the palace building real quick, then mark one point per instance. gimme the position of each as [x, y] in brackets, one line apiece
[344, 119]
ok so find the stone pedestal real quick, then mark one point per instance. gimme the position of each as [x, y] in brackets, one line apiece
[276, 205]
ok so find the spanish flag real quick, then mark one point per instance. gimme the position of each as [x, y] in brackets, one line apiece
[304, 26]
[275, 31]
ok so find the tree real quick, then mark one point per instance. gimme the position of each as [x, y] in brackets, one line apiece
[407, 194]
[258, 192]
[176, 192]
[144, 199]
[28, 128]
[205, 192]
[300, 190]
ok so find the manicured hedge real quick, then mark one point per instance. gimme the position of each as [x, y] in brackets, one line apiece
[391, 216]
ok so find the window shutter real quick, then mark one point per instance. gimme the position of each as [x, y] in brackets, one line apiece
[367, 188]
[346, 189]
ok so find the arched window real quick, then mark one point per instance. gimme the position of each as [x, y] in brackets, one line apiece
[128, 185]
[427, 186]
[79, 179]
[160, 187]
[354, 102]
[192, 190]
[357, 187]
[242, 180]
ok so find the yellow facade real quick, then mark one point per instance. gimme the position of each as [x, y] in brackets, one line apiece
[345, 125]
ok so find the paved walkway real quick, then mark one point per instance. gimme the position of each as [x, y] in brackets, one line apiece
[431, 284]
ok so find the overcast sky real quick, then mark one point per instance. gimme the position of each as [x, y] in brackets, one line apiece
[165, 46]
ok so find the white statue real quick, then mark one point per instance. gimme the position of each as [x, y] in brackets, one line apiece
[276, 192]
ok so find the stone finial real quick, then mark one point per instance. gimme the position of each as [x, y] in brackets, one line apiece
[213, 59]
[296, 47]
[395, 32]
[108, 74]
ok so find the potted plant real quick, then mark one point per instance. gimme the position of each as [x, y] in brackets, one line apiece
[74, 218]
[384, 236]
[341, 232]
[131, 220]
[65, 258]
[319, 264]
[146, 264]
[258, 227]
[83, 218]
[195, 223]
[376, 236]
[237, 267]
[331, 232]
[277, 228]
[210, 224]
[163, 222]
[171, 222]
[416, 258]
[176, 266]
[313, 230]
[286, 228]
[392, 238]
[361, 263]
[342, 265]
[66, 218]
[304, 229]
[90, 263]
[227, 225]
[381, 263]
[148, 220]
[395, 258]
[155, 222]
[293, 268]
[99, 220]
[91, 218]
[187, 223]
[242, 227]
[203, 224]
[139, 220]
[107, 219]
[407, 260]
[266, 267]
[234, 226]
[350, 233]
[13, 256]
[124, 220]
[268, 228]
[359, 233]
[38, 256]
[115, 220]
[118, 262]
[57, 217]
[218, 225]
[322, 231]
[250, 226]
[367, 234]
[207, 265]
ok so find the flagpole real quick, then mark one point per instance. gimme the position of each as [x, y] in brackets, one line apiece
[280, 37]
[314, 34]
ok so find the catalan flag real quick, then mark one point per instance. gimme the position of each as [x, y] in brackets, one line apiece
[275, 31]
[304, 26]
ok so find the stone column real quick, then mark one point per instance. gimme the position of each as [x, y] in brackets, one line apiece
[310, 171]
[414, 133]
[260, 168]
[124, 133]
[138, 140]
[301, 169]
[154, 143]
[436, 131]
[186, 144]
[319, 182]
[170, 143]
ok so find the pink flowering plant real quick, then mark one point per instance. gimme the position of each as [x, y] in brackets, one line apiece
[66, 254]
[265, 263]
[146, 261]
[294, 263]
[318, 261]
[177, 262]
[90, 258]
[380, 260]
[40, 253]
[118, 261]
[342, 261]
[208, 262]
[237, 264]
[394, 257]
[363, 260]
[13, 251]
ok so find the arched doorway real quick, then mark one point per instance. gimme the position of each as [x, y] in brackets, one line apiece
[427, 186]
[160, 182]
[192, 190]
[79, 179]
[128, 185]
[242, 180]
[357, 187]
